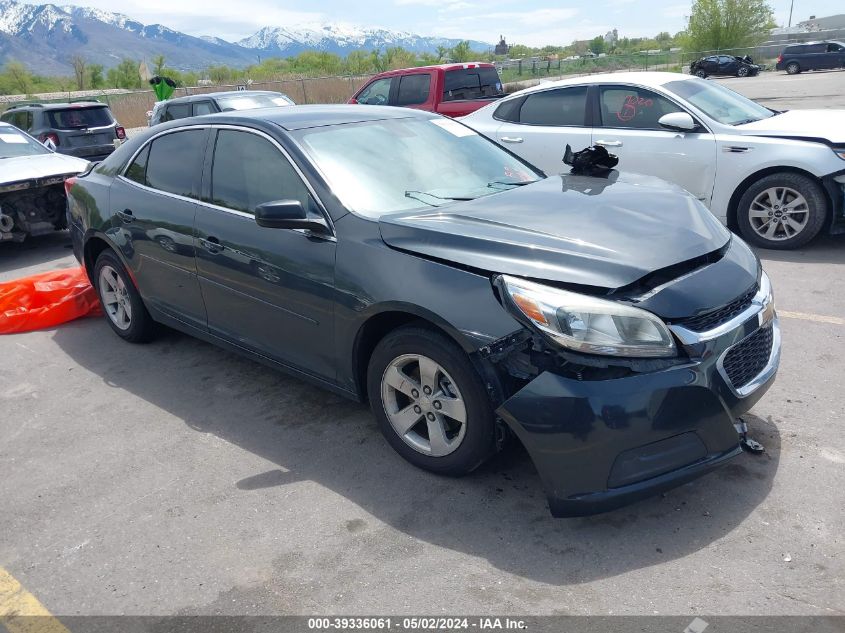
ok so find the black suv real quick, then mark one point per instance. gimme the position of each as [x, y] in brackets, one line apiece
[811, 56]
[85, 129]
[730, 65]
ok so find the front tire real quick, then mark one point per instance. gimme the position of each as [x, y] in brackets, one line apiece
[792, 68]
[742, 72]
[782, 211]
[122, 305]
[430, 403]
[701, 74]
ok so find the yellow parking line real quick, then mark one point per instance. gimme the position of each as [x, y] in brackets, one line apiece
[17, 606]
[818, 318]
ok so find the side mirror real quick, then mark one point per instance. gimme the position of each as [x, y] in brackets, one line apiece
[678, 122]
[287, 214]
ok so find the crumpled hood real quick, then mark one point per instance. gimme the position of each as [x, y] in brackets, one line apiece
[39, 166]
[605, 232]
[825, 124]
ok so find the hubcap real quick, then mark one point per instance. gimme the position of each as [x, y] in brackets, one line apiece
[115, 298]
[779, 213]
[424, 405]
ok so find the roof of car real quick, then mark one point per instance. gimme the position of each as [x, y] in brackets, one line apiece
[59, 106]
[640, 78]
[445, 67]
[306, 116]
[225, 93]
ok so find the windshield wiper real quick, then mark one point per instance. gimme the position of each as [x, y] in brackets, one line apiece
[744, 121]
[416, 196]
[515, 183]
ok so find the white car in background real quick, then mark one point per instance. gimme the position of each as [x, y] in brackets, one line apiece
[32, 191]
[778, 178]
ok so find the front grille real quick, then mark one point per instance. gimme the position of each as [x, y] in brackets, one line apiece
[745, 360]
[715, 318]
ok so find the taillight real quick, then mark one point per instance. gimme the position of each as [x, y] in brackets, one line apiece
[780, 58]
[52, 137]
[121, 133]
[353, 100]
[69, 183]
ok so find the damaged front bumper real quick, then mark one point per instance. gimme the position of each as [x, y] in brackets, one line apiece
[601, 444]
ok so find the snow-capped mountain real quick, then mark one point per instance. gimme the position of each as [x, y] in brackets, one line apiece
[46, 36]
[342, 39]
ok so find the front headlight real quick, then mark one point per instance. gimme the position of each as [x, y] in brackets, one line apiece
[587, 324]
[839, 151]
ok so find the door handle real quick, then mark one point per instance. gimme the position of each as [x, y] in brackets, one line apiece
[511, 139]
[609, 143]
[125, 215]
[212, 244]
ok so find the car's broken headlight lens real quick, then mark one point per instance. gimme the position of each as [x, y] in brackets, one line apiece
[587, 324]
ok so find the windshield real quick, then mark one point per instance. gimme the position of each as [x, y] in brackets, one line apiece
[379, 167]
[77, 118]
[717, 102]
[14, 143]
[251, 102]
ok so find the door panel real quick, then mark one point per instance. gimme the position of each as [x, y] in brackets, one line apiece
[630, 130]
[154, 216]
[544, 124]
[268, 290]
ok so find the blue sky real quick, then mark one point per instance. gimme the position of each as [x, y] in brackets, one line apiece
[532, 22]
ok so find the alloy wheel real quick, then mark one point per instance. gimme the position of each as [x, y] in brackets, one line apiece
[424, 405]
[779, 213]
[115, 297]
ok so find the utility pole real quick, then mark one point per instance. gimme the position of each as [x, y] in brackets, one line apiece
[791, 4]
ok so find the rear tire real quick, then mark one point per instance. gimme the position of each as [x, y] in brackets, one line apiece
[782, 211]
[792, 68]
[430, 403]
[122, 305]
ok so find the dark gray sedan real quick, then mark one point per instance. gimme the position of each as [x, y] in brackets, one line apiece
[609, 322]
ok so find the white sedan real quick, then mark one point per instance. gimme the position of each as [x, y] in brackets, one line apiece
[776, 177]
[32, 193]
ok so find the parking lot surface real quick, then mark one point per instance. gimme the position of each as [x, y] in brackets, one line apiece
[177, 478]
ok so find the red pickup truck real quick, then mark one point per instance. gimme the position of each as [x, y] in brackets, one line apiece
[451, 89]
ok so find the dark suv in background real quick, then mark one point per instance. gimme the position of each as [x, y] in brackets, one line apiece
[811, 56]
[84, 129]
[213, 102]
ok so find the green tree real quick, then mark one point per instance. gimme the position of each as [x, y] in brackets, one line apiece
[461, 52]
[158, 65]
[725, 24]
[95, 76]
[80, 66]
[597, 44]
[19, 77]
[442, 53]
[124, 75]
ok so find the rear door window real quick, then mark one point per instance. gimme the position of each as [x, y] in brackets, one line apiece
[203, 107]
[472, 83]
[377, 93]
[413, 89]
[562, 107]
[79, 118]
[177, 111]
[633, 107]
[174, 161]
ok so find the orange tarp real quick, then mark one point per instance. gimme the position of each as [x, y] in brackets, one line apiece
[46, 300]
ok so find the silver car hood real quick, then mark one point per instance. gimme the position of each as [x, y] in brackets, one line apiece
[22, 168]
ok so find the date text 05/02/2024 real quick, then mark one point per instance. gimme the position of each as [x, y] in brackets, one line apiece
[414, 623]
